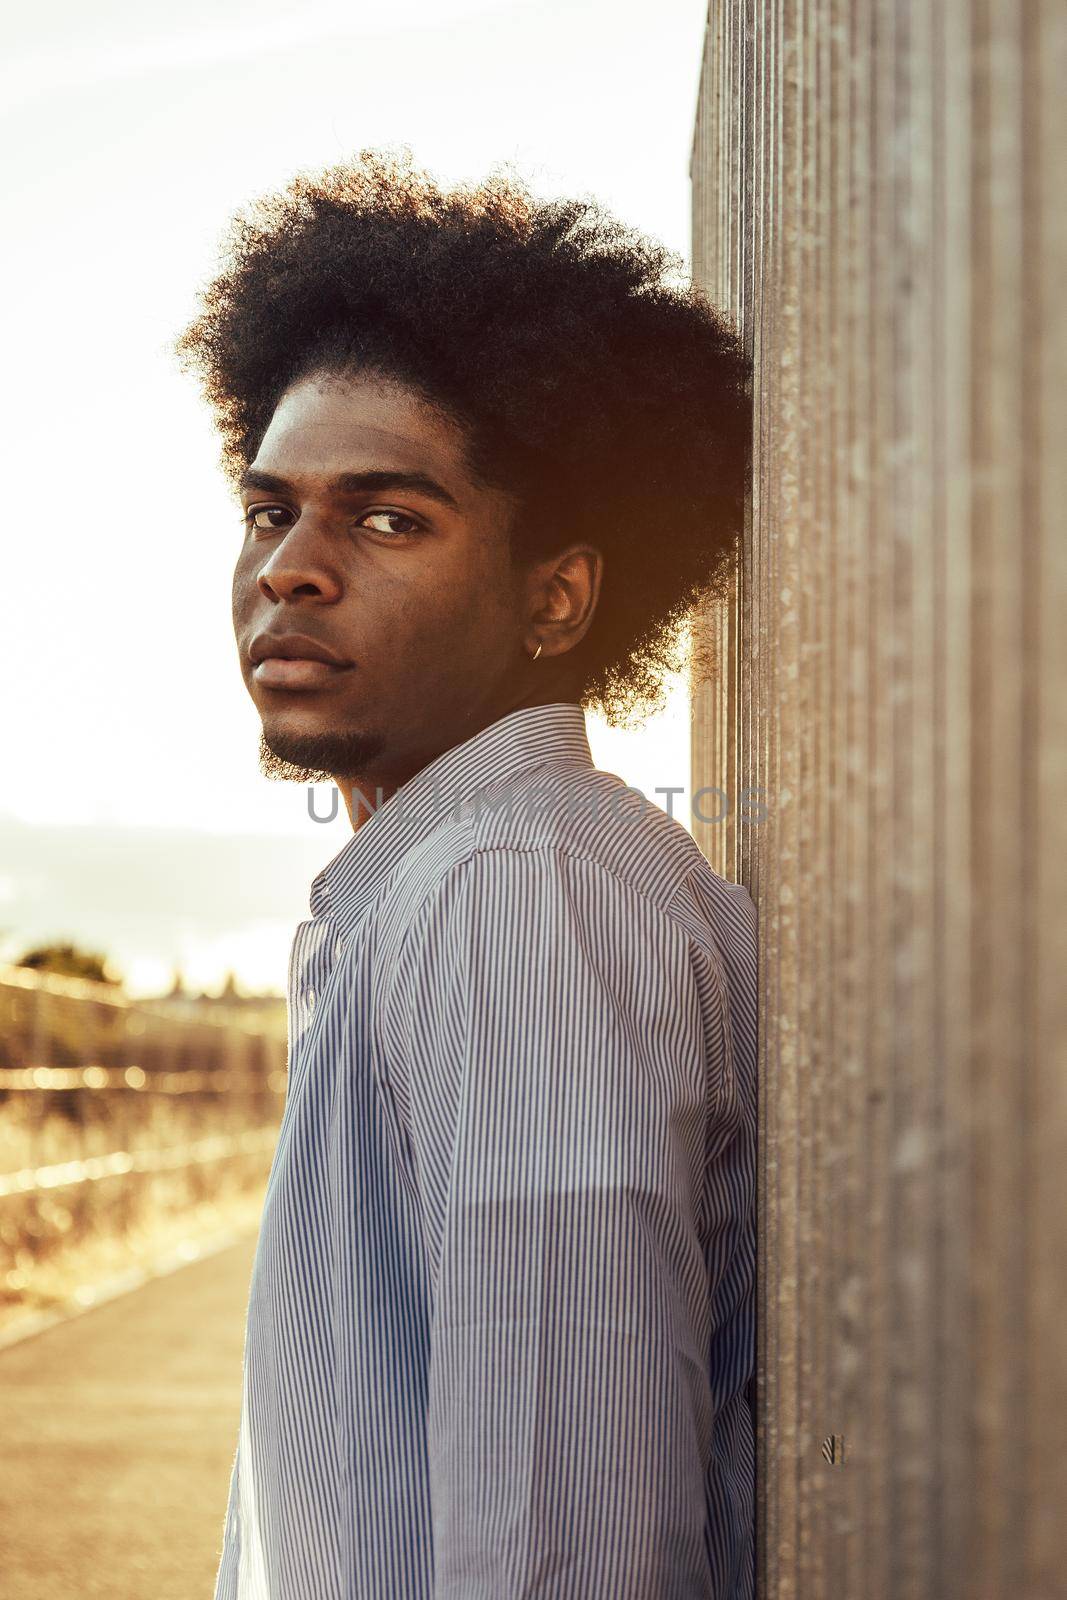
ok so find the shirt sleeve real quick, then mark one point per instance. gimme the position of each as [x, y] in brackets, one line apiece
[563, 1069]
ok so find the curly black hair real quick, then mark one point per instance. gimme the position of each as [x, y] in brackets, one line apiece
[611, 401]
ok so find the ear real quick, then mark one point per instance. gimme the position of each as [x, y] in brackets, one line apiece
[562, 595]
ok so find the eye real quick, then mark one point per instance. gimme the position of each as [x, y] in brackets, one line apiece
[265, 519]
[273, 519]
[391, 516]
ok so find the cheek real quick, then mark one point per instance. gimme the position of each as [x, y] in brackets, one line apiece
[237, 585]
[243, 585]
[473, 616]
[433, 597]
[484, 593]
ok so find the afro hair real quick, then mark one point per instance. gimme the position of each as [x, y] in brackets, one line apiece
[593, 382]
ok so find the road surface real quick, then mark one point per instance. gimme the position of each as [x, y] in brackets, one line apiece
[118, 1435]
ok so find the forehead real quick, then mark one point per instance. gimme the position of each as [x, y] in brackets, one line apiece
[324, 426]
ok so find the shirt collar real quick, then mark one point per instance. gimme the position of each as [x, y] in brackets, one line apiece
[499, 753]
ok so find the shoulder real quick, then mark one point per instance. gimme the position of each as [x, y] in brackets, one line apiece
[573, 845]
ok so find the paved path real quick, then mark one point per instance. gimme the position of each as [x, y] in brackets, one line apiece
[117, 1434]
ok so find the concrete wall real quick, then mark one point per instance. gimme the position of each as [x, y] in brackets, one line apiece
[877, 200]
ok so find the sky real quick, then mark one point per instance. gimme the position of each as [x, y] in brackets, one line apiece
[127, 726]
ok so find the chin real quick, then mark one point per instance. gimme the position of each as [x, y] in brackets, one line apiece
[316, 756]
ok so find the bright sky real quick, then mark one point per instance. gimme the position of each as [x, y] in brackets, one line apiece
[138, 134]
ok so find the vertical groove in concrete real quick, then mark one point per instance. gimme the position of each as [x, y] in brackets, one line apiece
[874, 204]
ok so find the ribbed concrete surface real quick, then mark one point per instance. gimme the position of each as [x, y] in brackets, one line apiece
[119, 1429]
[878, 204]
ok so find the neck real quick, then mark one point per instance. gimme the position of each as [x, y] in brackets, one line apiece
[364, 794]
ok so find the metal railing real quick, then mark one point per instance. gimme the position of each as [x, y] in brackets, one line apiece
[119, 1117]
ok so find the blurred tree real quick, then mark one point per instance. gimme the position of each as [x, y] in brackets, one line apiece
[70, 962]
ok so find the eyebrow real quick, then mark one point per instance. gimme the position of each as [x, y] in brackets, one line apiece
[358, 483]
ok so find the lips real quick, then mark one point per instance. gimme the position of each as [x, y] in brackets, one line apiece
[277, 673]
[294, 661]
[293, 647]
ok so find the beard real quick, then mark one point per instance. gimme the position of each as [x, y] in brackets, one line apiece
[317, 757]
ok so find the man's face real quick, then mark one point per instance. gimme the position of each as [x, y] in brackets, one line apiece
[365, 534]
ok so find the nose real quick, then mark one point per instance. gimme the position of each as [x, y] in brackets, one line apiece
[299, 567]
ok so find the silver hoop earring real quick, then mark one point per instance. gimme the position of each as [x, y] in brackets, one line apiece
[536, 653]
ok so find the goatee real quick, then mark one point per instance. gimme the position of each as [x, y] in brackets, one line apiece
[317, 757]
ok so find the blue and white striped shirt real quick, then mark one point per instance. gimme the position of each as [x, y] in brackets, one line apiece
[501, 1318]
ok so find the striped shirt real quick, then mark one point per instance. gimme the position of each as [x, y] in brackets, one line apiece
[501, 1318]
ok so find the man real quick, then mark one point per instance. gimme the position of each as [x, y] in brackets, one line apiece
[502, 1309]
